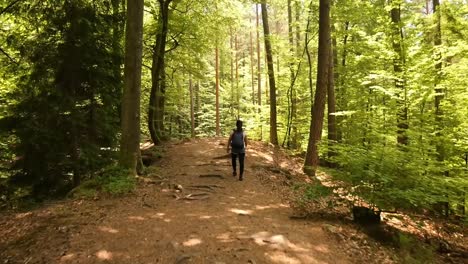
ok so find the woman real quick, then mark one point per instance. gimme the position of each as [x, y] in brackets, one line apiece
[237, 143]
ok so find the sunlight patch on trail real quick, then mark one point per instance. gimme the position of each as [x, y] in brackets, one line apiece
[206, 217]
[272, 206]
[240, 211]
[138, 218]
[67, 257]
[108, 229]
[282, 257]
[225, 237]
[104, 255]
[192, 242]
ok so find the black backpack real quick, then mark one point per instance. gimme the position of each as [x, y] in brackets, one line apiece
[237, 140]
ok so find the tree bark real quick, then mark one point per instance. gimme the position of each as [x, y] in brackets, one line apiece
[271, 76]
[192, 114]
[236, 61]
[156, 103]
[312, 157]
[217, 88]
[252, 73]
[398, 64]
[259, 71]
[439, 96]
[291, 76]
[130, 141]
[331, 107]
[341, 81]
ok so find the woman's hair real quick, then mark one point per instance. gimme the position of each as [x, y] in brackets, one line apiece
[239, 126]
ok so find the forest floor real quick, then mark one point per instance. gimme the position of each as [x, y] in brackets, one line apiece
[192, 210]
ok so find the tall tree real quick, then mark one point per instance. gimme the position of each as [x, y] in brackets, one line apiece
[156, 103]
[259, 70]
[271, 75]
[252, 73]
[130, 141]
[439, 93]
[217, 88]
[331, 104]
[318, 108]
[398, 68]
[192, 112]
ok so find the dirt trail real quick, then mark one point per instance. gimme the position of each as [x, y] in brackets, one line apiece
[238, 222]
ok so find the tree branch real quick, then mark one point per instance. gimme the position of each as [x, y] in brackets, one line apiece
[176, 44]
[8, 56]
[9, 6]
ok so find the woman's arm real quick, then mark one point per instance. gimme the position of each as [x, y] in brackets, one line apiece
[229, 143]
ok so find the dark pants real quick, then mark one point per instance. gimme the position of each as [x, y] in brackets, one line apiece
[241, 162]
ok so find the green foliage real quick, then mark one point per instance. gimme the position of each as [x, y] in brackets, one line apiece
[113, 180]
[413, 251]
[62, 103]
[316, 191]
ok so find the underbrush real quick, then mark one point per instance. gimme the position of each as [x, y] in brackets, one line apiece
[113, 180]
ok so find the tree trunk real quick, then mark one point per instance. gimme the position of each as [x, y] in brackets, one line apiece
[291, 76]
[217, 88]
[236, 61]
[130, 141]
[252, 73]
[271, 76]
[156, 103]
[439, 95]
[398, 64]
[197, 103]
[231, 46]
[331, 107]
[295, 143]
[192, 115]
[259, 72]
[340, 89]
[312, 157]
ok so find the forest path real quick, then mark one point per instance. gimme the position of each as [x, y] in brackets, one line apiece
[237, 222]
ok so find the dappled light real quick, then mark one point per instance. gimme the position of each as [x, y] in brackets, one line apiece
[282, 257]
[67, 257]
[108, 229]
[192, 242]
[265, 156]
[104, 255]
[240, 211]
[263, 207]
[225, 237]
[137, 218]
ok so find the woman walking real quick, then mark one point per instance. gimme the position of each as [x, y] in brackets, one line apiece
[237, 143]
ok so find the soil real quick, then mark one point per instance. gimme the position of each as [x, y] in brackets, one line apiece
[190, 210]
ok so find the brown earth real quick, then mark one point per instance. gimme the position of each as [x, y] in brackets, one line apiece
[191, 211]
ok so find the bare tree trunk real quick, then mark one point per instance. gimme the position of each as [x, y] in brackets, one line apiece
[271, 76]
[312, 157]
[130, 141]
[341, 82]
[439, 95]
[192, 114]
[259, 71]
[252, 73]
[217, 88]
[292, 77]
[398, 64]
[231, 45]
[156, 103]
[331, 108]
[295, 143]
[236, 60]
